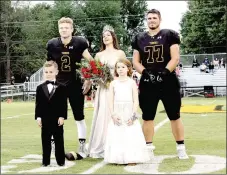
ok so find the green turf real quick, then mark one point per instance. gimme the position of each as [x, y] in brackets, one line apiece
[175, 165]
[205, 134]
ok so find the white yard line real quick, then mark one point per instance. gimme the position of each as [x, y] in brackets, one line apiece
[213, 101]
[101, 164]
[94, 168]
[209, 102]
[159, 125]
[16, 116]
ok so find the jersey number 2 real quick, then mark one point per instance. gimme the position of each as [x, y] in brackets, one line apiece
[65, 63]
[155, 53]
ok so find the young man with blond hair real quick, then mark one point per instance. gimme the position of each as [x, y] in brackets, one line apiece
[67, 50]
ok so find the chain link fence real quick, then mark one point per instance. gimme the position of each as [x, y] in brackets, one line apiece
[186, 60]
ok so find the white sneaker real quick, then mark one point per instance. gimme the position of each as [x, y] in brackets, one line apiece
[82, 150]
[151, 149]
[181, 151]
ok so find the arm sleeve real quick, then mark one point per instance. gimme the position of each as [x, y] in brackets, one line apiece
[134, 43]
[174, 37]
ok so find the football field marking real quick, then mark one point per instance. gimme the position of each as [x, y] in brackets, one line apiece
[94, 168]
[101, 164]
[205, 114]
[17, 116]
[203, 164]
[35, 158]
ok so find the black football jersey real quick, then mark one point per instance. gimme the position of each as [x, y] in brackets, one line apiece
[155, 50]
[66, 56]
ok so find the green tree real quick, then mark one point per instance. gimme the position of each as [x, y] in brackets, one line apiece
[133, 12]
[35, 31]
[203, 27]
[99, 14]
[11, 16]
[26, 29]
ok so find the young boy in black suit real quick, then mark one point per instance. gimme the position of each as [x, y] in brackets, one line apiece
[50, 113]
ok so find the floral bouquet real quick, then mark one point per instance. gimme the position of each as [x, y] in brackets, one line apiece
[95, 71]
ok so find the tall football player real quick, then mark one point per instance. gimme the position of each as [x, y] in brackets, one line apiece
[67, 50]
[155, 56]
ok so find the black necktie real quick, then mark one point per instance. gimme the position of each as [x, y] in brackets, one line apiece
[51, 82]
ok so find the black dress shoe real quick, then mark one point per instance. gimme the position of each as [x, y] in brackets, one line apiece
[45, 165]
[61, 164]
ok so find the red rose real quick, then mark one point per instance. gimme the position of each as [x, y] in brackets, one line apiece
[92, 64]
[87, 76]
[95, 71]
[83, 69]
[88, 69]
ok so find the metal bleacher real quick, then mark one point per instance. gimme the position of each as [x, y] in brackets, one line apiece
[35, 80]
[193, 81]
[23, 89]
[12, 90]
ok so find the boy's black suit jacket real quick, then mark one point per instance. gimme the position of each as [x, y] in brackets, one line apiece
[50, 107]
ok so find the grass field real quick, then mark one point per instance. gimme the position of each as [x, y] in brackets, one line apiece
[205, 135]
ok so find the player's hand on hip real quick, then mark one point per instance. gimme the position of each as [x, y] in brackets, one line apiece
[86, 86]
[60, 121]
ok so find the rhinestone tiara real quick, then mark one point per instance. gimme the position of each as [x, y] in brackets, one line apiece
[108, 28]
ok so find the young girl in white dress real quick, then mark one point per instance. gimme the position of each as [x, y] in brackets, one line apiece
[125, 142]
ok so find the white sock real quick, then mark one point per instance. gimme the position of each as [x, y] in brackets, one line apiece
[81, 128]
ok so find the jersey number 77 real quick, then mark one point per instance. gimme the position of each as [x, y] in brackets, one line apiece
[155, 53]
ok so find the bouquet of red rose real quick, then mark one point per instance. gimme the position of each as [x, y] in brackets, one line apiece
[95, 71]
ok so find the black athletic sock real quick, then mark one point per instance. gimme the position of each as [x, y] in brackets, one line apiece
[82, 140]
[148, 143]
[180, 142]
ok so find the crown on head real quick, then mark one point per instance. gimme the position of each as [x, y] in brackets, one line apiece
[108, 28]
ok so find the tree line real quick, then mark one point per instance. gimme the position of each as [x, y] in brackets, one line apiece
[203, 27]
[25, 28]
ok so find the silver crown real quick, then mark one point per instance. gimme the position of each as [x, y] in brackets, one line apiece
[108, 28]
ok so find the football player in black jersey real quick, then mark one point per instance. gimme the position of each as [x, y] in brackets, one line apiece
[155, 56]
[67, 50]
